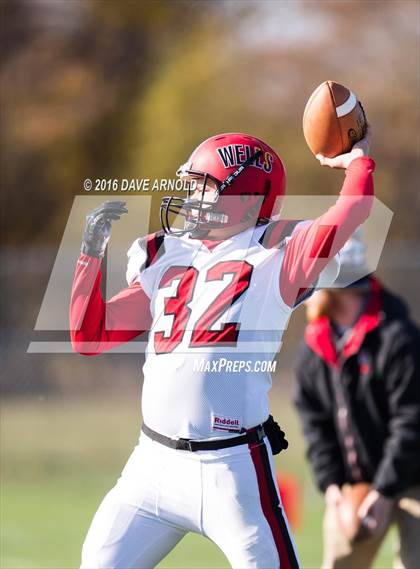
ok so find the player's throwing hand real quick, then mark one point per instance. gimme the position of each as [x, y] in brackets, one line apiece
[359, 149]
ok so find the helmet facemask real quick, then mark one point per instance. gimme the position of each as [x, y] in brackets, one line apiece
[196, 210]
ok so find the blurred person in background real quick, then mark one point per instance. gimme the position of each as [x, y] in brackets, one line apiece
[358, 399]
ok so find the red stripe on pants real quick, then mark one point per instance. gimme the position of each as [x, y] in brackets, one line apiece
[272, 510]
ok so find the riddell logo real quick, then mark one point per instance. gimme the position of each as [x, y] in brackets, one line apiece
[229, 424]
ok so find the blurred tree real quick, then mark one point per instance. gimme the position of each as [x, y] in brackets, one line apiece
[70, 72]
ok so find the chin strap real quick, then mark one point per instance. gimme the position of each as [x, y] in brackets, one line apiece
[232, 177]
[199, 233]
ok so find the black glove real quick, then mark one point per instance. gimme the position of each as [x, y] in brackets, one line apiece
[98, 227]
[275, 435]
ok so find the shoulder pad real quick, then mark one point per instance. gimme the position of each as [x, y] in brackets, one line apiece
[154, 246]
[143, 253]
[274, 237]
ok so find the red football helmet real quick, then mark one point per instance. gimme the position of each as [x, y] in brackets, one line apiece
[224, 166]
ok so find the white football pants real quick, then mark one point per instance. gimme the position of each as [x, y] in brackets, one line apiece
[229, 496]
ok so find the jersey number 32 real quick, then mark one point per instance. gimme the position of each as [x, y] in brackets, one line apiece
[177, 306]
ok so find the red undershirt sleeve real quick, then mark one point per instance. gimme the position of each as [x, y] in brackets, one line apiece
[308, 251]
[96, 325]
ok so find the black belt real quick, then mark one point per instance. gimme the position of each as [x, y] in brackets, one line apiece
[254, 435]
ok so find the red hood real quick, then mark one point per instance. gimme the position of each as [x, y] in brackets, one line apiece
[318, 335]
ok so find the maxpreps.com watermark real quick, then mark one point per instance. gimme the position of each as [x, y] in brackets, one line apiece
[138, 185]
[224, 365]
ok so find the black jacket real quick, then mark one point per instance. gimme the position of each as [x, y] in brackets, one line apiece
[360, 409]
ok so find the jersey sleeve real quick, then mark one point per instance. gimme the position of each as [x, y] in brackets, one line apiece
[96, 325]
[143, 253]
[312, 246]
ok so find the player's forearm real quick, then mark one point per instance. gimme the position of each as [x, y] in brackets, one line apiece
[310, 249]
[330, 231]
[359, 179]
[87, 308]
[97, 326]
[354, 203]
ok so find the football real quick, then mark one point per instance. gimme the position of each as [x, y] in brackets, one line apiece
[348, 519]
[333, 120]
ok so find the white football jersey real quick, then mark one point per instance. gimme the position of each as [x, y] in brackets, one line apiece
[218, 320]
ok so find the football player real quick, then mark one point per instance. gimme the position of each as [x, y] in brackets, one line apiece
[215, 295]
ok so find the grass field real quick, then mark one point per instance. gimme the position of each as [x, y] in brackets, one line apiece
[59, 457]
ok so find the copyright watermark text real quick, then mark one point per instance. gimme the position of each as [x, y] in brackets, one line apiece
[137, 185]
